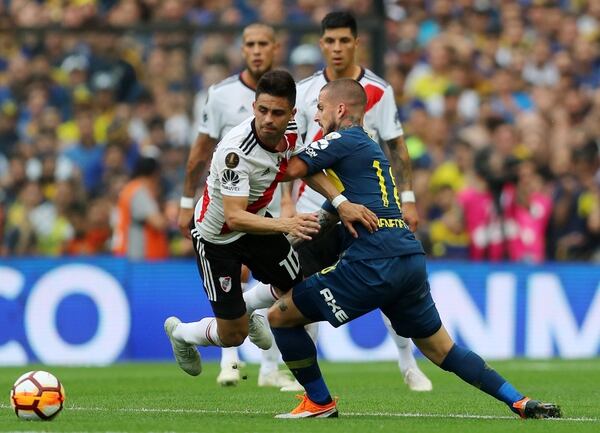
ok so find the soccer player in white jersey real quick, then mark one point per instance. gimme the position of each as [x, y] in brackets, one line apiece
[338, 43]
[232, 226]
[229, 103]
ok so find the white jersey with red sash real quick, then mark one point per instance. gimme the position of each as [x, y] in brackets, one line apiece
[381, 120]
[240, 167]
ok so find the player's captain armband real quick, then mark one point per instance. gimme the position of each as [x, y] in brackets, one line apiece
[407, 197]
[186, 203]
[338, 200]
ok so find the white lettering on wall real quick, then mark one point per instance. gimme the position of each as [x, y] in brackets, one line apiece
[113, 316]
[550, 321]
[11, 285]
[491, 334]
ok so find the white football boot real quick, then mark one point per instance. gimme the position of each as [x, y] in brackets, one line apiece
[259, 332]
[416, 380]
[280, 379]
[186, 354]
[229, 375]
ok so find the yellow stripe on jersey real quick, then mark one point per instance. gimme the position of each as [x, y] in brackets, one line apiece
[395, 190]
[335, 180]
[384, 193]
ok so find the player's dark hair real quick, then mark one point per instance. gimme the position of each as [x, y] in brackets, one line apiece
[339, 20]
[277, 83]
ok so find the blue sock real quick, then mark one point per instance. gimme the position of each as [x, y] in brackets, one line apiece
[472, 369]
[300, 355]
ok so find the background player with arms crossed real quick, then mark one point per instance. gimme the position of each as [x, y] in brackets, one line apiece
[338, 44]
[385, 269]
[229, 103]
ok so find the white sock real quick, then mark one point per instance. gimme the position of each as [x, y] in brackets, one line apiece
[260, 296]
[202, 333]
[269, 359]
[229, 356]
[313, 331]
[406, 359]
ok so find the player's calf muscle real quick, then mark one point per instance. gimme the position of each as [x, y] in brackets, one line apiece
[284, 314]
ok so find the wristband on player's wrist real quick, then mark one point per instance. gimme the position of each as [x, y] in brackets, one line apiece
[338, 200]
[407, 197]
[186, 203]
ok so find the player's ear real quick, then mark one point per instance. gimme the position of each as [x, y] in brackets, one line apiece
[294, 111]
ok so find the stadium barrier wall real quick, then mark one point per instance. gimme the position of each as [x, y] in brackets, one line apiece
[105, 310]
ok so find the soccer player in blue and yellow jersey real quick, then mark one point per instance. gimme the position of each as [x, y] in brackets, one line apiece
[385, 269]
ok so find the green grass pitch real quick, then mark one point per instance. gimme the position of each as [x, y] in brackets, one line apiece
[372, 398]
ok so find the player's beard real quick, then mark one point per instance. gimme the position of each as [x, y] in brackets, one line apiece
[329, 129]
[258, 73]
[333, 126]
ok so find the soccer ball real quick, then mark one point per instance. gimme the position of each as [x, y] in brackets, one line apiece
[37, 396]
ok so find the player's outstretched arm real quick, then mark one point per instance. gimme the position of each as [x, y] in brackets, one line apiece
[327, 220]
[302, 226]
[351, 213]
[401, 166]
[348, 212]
[199, 157]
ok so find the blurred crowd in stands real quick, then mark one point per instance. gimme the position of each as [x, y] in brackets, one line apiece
[500, 103]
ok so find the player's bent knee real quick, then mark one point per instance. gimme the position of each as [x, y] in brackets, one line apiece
[233, 338]
[277, 318]
[274, 317]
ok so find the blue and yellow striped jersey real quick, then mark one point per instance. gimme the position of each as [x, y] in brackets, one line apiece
[360, 170]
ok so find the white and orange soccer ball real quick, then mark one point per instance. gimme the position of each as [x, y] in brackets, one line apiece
[37, 396]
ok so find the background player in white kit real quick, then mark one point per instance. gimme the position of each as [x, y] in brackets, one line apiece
[229, 103]
[338, 44]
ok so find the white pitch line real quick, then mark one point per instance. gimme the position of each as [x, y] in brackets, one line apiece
[343, 414]
[548, 366]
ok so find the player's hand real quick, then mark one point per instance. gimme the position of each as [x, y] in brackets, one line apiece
[293, 240]
[184, 220]
[302, 226]
[351, 213]
[410, 215]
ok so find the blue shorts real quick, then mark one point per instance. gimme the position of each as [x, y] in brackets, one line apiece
[396, 285]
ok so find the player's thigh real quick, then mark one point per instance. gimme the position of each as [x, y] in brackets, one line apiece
[414, 317]
[322, 252]
[219, 267]
[272, 260]
[337, 295]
